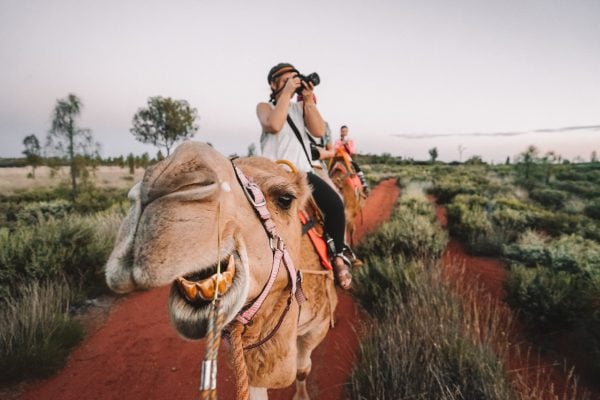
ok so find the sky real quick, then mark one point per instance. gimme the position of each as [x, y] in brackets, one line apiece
[405, 76]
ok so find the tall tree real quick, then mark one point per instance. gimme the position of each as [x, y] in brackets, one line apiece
[68, 139]
[164, 122]
[433, 153]
[32, 152]
[529, 167]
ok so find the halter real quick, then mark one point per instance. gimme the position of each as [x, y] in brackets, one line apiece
[280, 255]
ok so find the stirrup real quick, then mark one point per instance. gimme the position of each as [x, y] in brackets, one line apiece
[349, 254]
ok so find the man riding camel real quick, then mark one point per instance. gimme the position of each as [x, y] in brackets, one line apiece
[347, 144]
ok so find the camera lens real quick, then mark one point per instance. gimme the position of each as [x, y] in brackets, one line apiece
[314, 78]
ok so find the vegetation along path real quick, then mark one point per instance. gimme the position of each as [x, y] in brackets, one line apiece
[138, 355]
[489, 274]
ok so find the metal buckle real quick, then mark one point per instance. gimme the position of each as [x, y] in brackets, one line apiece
[250, 194]
[279, 245]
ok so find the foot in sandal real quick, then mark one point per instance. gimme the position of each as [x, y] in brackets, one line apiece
[341, 267]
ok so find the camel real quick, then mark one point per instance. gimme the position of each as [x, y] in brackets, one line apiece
[345, 180]
[170, 237]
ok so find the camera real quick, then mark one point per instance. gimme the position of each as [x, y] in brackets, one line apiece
[312, 78]
[314, 152]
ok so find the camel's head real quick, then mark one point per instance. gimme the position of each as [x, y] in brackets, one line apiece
[186, 207]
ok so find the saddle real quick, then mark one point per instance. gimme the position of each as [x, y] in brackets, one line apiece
[312, 225]
[343, 162]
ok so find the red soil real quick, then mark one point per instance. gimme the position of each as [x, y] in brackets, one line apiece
[138, 355]
[488, 276]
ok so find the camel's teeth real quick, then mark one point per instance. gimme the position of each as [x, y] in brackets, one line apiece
[231, 265]
[206, 288]
[189, 288]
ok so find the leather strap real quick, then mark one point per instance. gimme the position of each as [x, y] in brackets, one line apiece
[280, 253]
[299, 137]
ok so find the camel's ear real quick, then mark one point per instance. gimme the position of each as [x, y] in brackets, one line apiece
[304, 191]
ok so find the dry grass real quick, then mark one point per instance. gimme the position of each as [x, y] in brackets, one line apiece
[36, 331]
[436, 335]
[14, 180]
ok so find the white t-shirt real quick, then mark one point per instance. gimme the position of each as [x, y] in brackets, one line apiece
[284, 145]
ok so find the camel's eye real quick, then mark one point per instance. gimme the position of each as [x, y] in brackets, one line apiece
[284, 201]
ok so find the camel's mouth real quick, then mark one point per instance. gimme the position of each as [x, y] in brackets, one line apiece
[192, 295]
[204, 286]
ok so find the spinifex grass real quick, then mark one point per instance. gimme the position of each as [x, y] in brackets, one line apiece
[36, 331]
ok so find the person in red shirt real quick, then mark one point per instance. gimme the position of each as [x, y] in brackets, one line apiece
[348, 144]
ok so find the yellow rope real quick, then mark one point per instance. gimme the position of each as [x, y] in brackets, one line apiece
[239, 363]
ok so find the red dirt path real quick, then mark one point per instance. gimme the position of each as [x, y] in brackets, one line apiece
[138, 355]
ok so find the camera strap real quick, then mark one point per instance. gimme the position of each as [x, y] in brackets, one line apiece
[297, 132]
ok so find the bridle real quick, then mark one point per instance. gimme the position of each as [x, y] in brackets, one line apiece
[280, 255]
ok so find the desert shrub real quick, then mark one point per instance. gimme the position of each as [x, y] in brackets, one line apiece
[381, 279]
[36, 331]
[446, 189]
[466, 221]
[28, 206]
[75, 248]
[34, 212]
[547, 298]
[411, 232]
[592, 210]
[551, 198]
[554, 282]
[582, 188]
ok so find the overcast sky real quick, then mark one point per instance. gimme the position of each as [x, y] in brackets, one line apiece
[387, 68]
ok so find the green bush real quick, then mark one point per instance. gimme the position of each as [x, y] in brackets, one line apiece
[554, 282]
[36, 331]
[411, 232]
[550, 198]
[549, 299]
[592, 210]
[75, 248]
[34, 212]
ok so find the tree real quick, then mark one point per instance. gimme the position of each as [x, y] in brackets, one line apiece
[529, 167]
[474, 160]
[68, 139]
[32, 152]
[164, 122]
[252, 150]
[549, 158]
[433, 153]
[131, 163]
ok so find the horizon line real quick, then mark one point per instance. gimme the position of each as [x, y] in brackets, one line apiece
[514, 133]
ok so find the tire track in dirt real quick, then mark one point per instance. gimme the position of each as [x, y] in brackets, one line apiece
[138, 355]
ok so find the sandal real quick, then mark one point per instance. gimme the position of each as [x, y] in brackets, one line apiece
[350, 255]
[341, 267]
